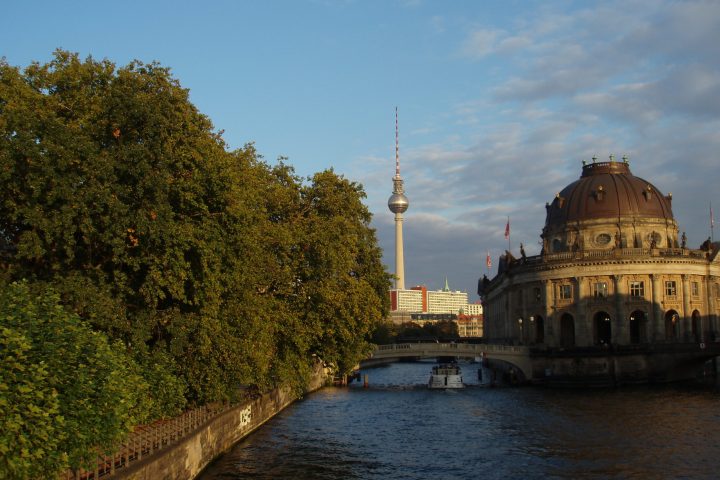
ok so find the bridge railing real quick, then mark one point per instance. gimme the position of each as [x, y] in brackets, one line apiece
[459, 347]
[395, 346]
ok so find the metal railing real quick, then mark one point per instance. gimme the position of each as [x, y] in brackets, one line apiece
[451, 347]
[145, 440]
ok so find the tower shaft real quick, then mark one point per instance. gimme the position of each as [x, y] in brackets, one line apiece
[399, 258]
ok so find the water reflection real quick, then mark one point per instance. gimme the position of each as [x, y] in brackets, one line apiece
[399, 429]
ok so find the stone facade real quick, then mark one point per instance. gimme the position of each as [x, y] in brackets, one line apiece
[612, 272]
[620, 297]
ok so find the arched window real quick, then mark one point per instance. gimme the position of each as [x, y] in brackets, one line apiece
[537, 323]
[567, 330]
[671, 325]
[638, 324]
[696, 326]
[602, 328]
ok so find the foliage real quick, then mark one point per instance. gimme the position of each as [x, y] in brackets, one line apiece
[30, 423]
[344, 284]
[215, 270]
[65, 389]
[385, 333]
[443, 330]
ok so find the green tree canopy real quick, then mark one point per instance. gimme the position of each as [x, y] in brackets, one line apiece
[214, 269]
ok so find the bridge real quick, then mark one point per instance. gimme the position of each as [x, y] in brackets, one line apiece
[517, 356]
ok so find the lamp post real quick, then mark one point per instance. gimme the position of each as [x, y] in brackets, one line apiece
[607, 322]
[533, 332]
[520, 322]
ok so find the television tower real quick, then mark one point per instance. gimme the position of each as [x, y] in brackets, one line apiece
[398, 204]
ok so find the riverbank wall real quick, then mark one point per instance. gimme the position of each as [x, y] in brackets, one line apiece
[187, 458]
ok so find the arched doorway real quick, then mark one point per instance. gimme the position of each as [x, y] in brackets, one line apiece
[637, 326]
[602, 328]
[567, 330]
[696, 326]
[671, 325]
[539, 328]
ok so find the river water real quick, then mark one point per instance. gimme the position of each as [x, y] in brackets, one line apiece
[398, 429]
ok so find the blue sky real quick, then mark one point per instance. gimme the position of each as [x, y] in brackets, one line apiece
[499, 101]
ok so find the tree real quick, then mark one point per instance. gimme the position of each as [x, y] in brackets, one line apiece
[344, 285]
[65, 390]
[214, 270]
[114, 188]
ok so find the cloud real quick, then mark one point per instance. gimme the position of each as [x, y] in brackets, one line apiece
[481, 43]
[637, 78]
[437, 24]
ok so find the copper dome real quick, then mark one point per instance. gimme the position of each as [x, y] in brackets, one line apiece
[607, 190]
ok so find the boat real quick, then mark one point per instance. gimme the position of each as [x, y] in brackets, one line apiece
[445, 375]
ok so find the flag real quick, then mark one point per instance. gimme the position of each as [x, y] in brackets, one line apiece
[507, 229]
[488, 262]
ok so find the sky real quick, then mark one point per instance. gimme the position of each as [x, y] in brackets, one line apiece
[499, 101]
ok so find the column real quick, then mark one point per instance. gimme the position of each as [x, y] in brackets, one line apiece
[619, 327]
[710, 305]
[549, 304]
[510, 329]
[582, 332]
[657, 329]
[686, 329]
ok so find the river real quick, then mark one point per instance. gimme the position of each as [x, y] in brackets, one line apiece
[398, 429]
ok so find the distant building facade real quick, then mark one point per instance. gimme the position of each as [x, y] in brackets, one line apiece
[421, 305]
[470, 325]
[474, 309]
[445, 301]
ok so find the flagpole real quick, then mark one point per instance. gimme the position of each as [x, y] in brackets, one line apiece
[507, 230]
[712, 224]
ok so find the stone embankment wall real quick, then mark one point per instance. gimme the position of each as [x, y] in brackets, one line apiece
[187, 458]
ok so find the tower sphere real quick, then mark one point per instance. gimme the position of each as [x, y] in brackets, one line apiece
[398, 203]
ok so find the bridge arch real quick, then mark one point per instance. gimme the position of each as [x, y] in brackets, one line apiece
[517, 356]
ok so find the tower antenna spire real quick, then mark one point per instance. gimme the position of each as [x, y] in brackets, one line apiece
[397, 145]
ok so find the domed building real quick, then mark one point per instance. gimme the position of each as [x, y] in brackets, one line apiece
[616, 295]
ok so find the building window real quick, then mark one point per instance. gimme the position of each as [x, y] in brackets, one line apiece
[603, 239]
[565, 292]
[600, 290]
[670, 288]
[536, 293]
[695, 289]
[637, 289]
